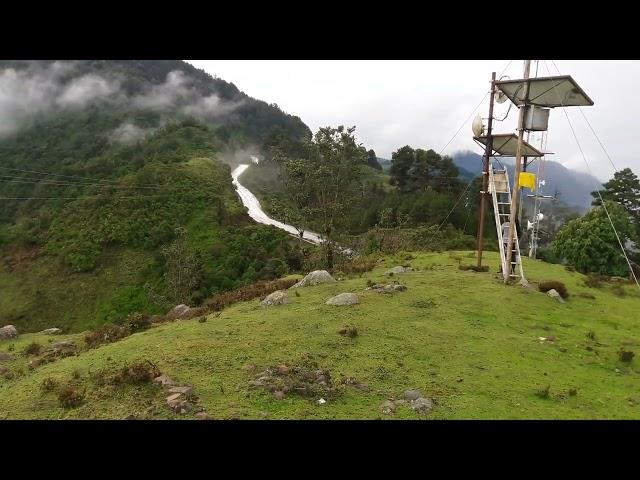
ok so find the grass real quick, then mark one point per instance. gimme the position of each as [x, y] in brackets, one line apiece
[474, 350]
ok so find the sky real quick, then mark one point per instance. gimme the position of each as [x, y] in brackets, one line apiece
[422, 103]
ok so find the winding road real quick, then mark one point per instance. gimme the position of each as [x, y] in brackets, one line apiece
[250, 201]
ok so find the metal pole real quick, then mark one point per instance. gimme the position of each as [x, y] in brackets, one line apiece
[516, 187]
[485, 171]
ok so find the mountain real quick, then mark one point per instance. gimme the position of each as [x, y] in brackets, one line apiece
[116, 189]
[574, 187]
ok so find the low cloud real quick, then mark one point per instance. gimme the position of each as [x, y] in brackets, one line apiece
[128, 134]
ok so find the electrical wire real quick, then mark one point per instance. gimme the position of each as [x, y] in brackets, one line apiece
[604, 206]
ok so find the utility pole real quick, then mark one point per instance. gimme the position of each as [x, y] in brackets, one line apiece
[485, 172]
[516, 181]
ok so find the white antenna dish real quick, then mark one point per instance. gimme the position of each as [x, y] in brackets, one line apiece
[477, 126]
[500, 97]
[529, 225]
[540, 216]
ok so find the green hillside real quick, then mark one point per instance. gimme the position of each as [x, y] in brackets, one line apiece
[464, 339]
[113, 187]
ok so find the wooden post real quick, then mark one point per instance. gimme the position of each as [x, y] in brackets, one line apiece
[516, 186]
[485, 172]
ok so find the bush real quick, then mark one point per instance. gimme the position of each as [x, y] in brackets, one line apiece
[618, 291]
[70, 396]
[137, 321]
[554, 285]
[625, 355]
[594, 280]
[349, 331]
[136, 373]
[49, 385]
[33, 348]
[106, 334]
[249, 292]
[548, 255]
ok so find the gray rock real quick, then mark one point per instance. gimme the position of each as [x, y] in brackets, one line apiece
[202, 416]
[388, 407]
[554, 294]
[164, 380]
[5, 356]
[8, 331]
[51, 331]
[314, 278]
[400, 288]
[279, 297]
[62, 345]
[184, 390]
[344, 299]
[422, 405]
[398, 269]
[412, 395]
[179, 311]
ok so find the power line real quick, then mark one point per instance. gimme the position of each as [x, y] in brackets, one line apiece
[590, 127]
[597, 187]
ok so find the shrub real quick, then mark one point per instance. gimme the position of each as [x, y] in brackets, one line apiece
[348, 331]
[249, 292]
[554, 285]
[594, 280]
[106, 334]
[137, 321]
[543, 392]
[33, 348]
[49, 384]
[569, 268]
[136, 373]
[625, 355]
[70, 396]
[591, 335]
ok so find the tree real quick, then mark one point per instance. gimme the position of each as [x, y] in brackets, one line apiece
[322, 181]
[372, 160]
[589, 243]
[624, 189]
[402, 162]
[413, 170]
[183, 269]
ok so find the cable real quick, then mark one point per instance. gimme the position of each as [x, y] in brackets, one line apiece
[474, 111]
[604, 206]
[590, 127]
[5, 178]
[69, 176]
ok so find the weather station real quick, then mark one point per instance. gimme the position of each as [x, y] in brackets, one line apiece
[534, 97]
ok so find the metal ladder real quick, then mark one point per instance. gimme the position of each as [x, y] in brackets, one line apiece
[501, 195]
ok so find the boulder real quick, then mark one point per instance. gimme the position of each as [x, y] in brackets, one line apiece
[412, 395]
[51, 331]
[388, 407]
[179, 311]
[554, 294]
[279, 297]
[398, 269]
[344, 299]
[422, 405]
[7, 332]
[314, 278]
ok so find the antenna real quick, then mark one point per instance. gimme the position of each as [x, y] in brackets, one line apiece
[500, 97]
[477, 126]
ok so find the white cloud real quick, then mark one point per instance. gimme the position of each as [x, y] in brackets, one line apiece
[83, 90]
[128, 134]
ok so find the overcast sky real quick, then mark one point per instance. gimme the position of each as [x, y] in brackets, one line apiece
[422, 103]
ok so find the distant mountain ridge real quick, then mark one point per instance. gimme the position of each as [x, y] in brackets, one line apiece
[574, 187]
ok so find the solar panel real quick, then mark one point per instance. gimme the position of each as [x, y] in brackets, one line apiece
[558, 91]
[506, 144]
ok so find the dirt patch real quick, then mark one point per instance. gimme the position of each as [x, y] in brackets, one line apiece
[19, 257]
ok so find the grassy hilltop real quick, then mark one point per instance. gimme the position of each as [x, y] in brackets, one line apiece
[465, 340]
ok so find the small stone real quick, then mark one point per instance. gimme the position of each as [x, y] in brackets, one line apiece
[173, 398]
[388, 407]
[398, 269]
[279, 394]
[184, 390]
[202, 416]
[179, 311]
[5, 356]
[554, 294]
[422, 405]
[62, 344]
[400, 288]
[51, 331]
[412, 395]
[129, 417]
[164, 380]
[3, 370]
[322, 401]
[283, 370]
